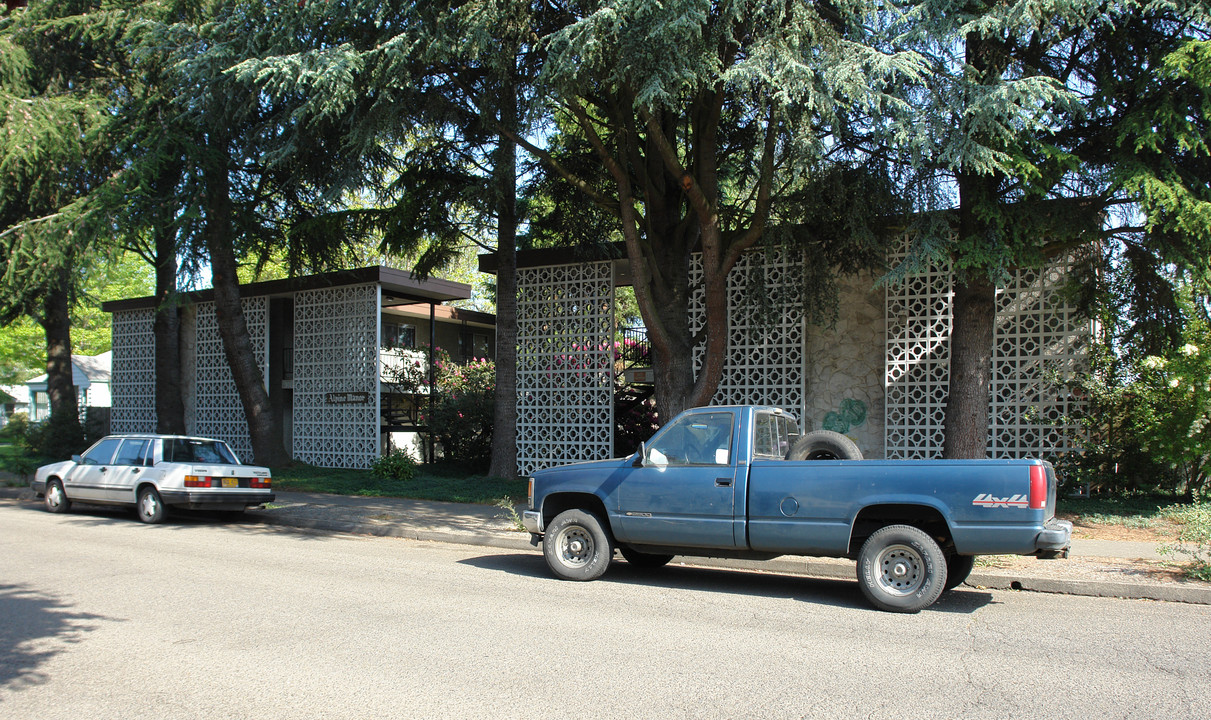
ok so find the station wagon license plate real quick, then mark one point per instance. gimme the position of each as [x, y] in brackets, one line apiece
[231, 482]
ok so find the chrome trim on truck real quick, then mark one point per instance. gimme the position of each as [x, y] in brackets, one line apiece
[532, 521]
[1055, 539]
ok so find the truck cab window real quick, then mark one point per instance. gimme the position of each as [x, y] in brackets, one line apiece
[699, 439]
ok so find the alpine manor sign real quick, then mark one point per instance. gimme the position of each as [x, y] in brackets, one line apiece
[347, 398]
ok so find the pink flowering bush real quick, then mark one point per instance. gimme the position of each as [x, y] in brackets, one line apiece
[463, 411]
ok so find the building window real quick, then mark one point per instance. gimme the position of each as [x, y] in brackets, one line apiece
[397, 335]
[41, 406]
[472, 345]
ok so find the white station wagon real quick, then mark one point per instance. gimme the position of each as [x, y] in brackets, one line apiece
[154, 471]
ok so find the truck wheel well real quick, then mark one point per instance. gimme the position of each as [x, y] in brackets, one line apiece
[552, 505]
[928, 519]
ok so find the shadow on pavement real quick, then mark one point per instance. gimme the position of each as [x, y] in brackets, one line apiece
[89, 515]
[36, 627]
[819, 591]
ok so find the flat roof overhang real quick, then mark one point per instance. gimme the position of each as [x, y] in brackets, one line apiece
[615, 252]
[399, 287]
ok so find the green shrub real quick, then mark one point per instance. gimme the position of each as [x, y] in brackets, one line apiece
[1147, 420]
[1194, 540]
[58, 437]
[16, 429]
[397, 465]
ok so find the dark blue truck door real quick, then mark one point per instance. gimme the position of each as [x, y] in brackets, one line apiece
[684, 495]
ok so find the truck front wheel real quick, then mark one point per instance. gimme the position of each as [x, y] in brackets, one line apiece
[577, 546]
[901, 569]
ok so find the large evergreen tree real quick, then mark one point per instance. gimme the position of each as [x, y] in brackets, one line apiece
[449, 90]
[56, 82]
[707, 121]
[1021, 136]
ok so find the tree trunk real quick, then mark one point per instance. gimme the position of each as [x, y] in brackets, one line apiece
[971, 338]
[263, 428]
[504, 428]
[170, 404]
[973, 326]
[66, 433]
[665, 305]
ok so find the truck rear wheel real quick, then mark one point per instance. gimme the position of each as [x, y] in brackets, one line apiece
[577, 546]
[824, 445]
[901, 569]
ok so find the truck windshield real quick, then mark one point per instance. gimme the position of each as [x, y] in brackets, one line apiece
[187, 450]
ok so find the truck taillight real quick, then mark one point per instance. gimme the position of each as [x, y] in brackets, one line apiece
[1038, 487]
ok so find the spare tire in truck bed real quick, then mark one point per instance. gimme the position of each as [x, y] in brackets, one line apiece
[824, 445]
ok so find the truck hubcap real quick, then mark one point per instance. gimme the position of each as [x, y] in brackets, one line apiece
[901, 570]
[575, 547]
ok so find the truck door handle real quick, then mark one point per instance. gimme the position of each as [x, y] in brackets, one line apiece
[723, 482]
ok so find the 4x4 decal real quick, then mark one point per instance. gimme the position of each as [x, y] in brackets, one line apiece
[989, 501]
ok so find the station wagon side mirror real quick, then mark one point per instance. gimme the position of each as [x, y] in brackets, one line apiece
[640, 454]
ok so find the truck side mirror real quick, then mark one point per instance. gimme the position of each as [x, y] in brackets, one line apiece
[640, 454]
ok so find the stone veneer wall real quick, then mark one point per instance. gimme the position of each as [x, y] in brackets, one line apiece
[845, 366]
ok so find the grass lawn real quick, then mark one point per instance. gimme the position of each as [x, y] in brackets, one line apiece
[441, 483]
[1132, 510]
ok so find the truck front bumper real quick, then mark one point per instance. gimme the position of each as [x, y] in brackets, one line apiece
[532, 521]
[1055, 540]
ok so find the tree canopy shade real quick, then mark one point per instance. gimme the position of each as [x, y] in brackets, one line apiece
[707, 122]
[1023, 134]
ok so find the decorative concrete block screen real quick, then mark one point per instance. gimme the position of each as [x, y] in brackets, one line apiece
[1037, 334]
[764, 364]
[133, 379]
[565, 364]
[1039, 337]
[336, 380]
[219, 412]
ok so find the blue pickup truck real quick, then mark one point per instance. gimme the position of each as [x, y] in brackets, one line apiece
[743, 482]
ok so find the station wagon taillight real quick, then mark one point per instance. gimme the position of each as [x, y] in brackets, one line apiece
[1038, 487]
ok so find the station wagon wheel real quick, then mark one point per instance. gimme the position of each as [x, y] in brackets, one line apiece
[150, 507]
[577, 546]
[901, 569]
[56, 499]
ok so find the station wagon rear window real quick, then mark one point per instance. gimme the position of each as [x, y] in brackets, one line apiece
[190, 450]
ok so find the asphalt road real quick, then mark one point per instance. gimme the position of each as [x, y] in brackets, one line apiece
[102, 617]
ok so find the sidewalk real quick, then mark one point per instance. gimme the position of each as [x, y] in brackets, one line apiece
[1099, 568]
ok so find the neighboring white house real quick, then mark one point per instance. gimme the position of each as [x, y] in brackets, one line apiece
[90, 374]
[15, 399]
